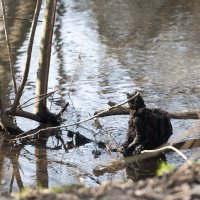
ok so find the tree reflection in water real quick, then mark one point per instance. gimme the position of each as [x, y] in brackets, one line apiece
[41, 164]
[144, 168]
[9, 161]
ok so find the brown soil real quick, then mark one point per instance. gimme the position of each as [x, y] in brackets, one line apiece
[183, 184]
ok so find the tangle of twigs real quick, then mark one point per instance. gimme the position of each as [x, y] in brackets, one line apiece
[24, 135]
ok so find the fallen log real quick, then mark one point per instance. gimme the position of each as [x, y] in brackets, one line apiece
[124, 110]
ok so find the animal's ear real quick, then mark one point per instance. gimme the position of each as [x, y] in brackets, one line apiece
[128, 96]
[131, 95]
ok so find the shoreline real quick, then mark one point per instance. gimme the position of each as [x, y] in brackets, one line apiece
[182, 183]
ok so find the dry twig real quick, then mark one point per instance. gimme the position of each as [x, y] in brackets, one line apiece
[20, 18]
[77, 62]
[40, 98]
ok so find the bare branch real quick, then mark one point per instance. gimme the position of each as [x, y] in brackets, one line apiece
[185, 115]
[124, 110]
[167, 148]
[28, 115]
[40, 98]
[77, 61]
[19, 18]
[63, 110]
[116, 111]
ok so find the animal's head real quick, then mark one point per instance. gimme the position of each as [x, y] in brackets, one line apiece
[137, 102]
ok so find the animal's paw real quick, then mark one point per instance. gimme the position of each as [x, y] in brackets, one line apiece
[138, 149]
[121, 149]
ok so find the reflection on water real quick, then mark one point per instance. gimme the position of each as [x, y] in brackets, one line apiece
[151, 46]
[145, 168]
[41, 164]
[9, 166]
[159, 47]
[17, 34]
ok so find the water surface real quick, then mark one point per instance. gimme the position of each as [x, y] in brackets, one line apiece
[124, 45]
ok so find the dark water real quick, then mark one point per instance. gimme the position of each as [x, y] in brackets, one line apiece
[151, 46]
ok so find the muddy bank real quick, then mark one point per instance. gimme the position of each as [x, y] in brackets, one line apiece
[181, 184]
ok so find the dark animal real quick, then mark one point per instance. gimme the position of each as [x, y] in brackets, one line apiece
[147, 129]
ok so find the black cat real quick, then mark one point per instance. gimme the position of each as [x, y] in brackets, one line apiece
[147, 129]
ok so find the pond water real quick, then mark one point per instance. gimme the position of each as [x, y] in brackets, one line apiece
[124, 45]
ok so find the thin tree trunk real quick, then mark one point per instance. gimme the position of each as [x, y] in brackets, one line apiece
[5, 121]
[44, 60]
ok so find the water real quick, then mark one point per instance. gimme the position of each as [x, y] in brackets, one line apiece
[151, 46]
